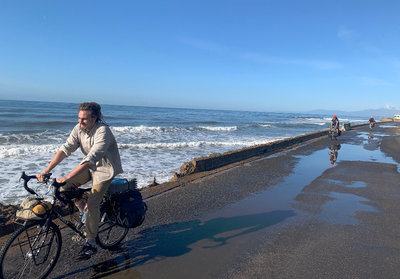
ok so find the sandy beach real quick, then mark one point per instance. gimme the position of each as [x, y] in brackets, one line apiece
[290, 214]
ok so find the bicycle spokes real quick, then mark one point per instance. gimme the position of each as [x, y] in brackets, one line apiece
[31, 252]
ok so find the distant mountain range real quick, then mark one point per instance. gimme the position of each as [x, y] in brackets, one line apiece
[376, 113]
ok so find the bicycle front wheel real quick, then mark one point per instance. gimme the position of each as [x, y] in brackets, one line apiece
[110, 233]
[31, 252]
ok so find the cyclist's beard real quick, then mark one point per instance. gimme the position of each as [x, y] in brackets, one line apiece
[84, 127]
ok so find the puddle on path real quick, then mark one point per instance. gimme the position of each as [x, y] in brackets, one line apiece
[350, 152]
[341, 209]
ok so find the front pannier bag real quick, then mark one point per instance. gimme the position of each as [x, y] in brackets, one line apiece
[33, 209]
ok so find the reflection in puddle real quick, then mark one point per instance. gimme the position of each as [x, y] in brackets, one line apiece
[357, 184]
[354, 184]
[388, 126]
[333, 153]
[344, 208]
[359, 153]
[370, 135]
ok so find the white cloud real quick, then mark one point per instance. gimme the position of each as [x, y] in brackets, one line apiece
[373, 82]
[371, 49]
[387, 106]
[258, 57]
[203, 45]
[396, 63]
[318, 64]
[347, 34]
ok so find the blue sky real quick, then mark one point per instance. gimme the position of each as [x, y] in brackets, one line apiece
[231, 54]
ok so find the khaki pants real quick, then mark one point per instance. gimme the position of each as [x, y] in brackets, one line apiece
[93, 204]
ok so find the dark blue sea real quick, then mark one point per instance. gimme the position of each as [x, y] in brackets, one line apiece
[153, 142]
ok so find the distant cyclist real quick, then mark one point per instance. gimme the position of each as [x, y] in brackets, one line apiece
[371, 122]
[335, 124]
[101, 163]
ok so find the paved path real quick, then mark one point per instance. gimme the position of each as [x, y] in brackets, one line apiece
[288, 215]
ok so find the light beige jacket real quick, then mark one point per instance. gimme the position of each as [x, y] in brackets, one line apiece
[99, 148]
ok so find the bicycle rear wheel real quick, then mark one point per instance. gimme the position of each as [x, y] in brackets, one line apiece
[110, 233]
[31, 252]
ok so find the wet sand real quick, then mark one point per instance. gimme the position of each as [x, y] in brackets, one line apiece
[287, 215]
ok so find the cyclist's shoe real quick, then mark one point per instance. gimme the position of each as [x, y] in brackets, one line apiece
[86, 252]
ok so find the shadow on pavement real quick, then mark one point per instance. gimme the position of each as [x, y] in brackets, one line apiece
[172, 240]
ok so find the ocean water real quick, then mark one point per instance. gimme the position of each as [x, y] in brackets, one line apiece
[153, 142]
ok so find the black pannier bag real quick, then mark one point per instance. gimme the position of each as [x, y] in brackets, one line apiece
[130, 207]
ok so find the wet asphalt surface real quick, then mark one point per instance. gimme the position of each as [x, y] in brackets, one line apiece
[291, 214]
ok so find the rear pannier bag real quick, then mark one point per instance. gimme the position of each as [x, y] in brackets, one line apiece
[130, 207]
[33, 209]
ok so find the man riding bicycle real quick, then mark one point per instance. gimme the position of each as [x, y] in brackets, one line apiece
[371, 122]
[335, 125]
[101, 163]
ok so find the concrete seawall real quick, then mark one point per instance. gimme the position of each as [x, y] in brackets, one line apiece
[215, 161]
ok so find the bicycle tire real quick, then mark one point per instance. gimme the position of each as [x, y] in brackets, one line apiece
[32, 251]
[110, 233]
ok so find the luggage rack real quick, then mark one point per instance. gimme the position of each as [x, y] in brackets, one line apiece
[19, 222]
[119, 185]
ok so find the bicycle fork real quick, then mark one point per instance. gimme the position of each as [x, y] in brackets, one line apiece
[39, 243]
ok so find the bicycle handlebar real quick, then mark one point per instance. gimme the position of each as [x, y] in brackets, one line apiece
[54, 183]
[26, 179]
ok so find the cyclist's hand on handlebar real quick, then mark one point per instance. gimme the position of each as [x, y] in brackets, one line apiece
[61, 180]
[40, 177]
[57, 182]
[43, 177]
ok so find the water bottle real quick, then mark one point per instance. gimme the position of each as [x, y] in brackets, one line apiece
[83, 214]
